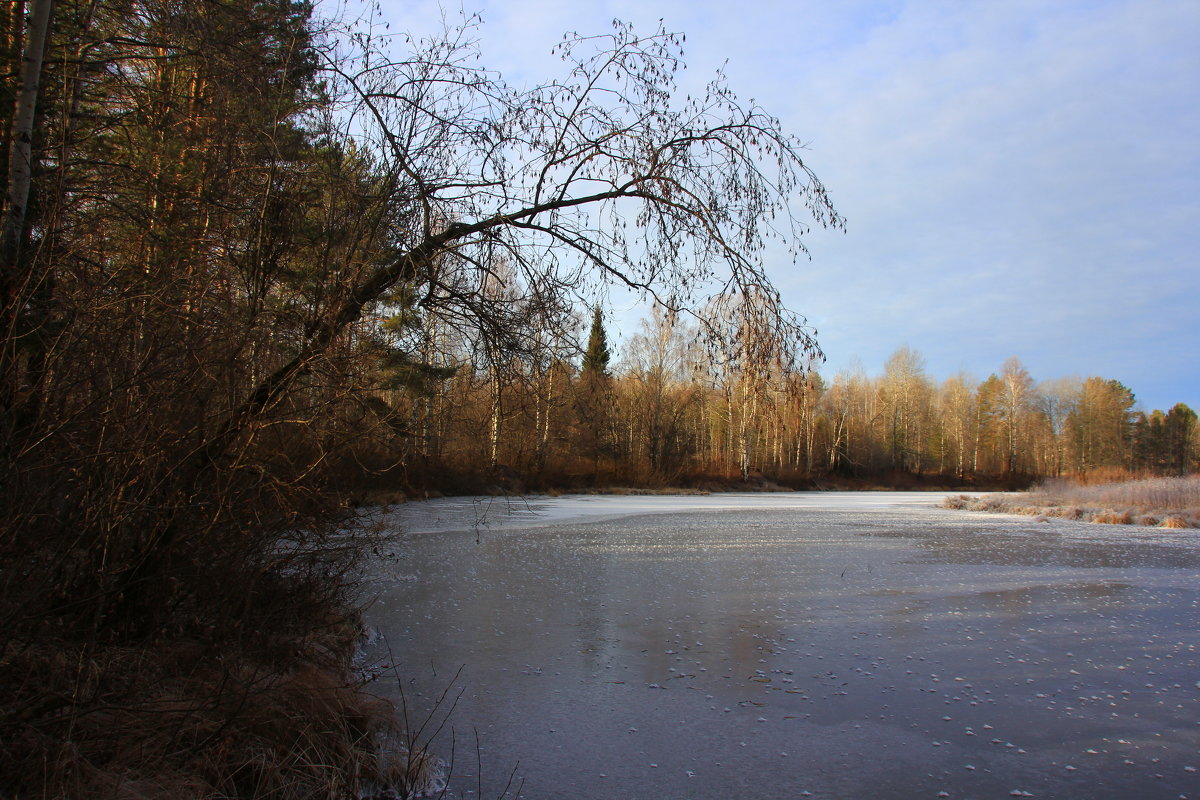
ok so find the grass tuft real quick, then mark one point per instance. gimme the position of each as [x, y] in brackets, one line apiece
[1165, 502]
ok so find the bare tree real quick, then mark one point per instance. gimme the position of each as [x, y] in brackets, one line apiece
[957, 415]
[600, 176]
[748, 350]
[656, 364]
[1017, 402]
[905, 390]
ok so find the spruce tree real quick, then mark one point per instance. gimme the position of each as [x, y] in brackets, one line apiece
[596, 357]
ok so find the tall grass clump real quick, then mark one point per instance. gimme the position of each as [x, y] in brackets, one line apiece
[1170, 494]
[1165, 502]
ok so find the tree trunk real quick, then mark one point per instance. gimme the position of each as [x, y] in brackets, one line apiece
[494, 452]
[20, 152]
[19, 181]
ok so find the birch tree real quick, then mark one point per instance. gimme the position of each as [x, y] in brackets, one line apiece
[1016, 404]
[16, 281]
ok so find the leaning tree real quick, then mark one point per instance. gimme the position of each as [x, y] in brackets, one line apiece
[602, 176]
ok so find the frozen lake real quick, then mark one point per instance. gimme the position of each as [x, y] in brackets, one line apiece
[835, 645]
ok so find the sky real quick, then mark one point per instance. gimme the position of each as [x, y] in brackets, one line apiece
[1019, 177]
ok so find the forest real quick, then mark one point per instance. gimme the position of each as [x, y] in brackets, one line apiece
[259, 259]
[672, 412]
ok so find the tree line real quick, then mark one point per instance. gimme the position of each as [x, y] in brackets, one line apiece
[674, 410]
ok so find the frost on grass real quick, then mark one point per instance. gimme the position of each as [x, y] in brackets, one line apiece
[1172, 503]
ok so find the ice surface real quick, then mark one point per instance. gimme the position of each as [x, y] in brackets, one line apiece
[789, 645]
[498, 513]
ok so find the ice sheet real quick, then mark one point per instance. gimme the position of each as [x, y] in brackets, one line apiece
[815, 644]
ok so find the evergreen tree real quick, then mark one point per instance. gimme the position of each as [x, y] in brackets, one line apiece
[597, 356]
[594, 396]
[1179, 433]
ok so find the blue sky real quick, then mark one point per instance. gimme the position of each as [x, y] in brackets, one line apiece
[1019, 178]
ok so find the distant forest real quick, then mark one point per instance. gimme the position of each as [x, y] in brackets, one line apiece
[671, 411]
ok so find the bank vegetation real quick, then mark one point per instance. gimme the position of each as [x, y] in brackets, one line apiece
[1161, 502]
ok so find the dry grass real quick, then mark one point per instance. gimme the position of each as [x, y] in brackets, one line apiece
[1163, 502]
[1148, 494]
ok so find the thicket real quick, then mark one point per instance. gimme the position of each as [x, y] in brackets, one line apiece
[235, 234]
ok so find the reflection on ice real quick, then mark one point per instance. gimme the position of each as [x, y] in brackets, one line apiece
[775, 645]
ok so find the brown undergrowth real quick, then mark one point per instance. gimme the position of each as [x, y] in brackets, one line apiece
[1172, 503]
[266, 707]
[188, 649]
